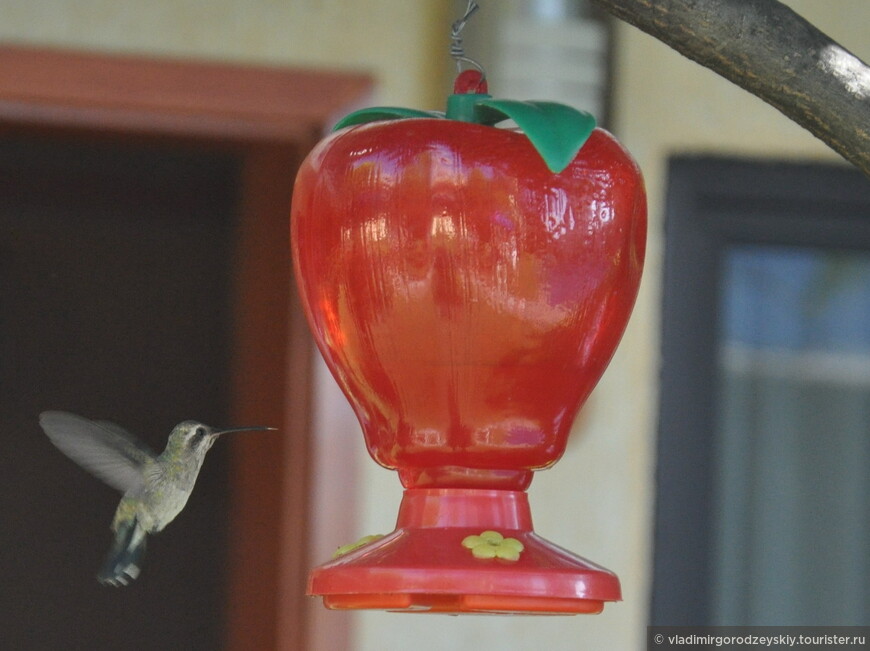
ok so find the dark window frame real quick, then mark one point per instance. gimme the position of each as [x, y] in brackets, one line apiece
[712, 204]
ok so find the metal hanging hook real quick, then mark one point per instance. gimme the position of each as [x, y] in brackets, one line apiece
[456, 49]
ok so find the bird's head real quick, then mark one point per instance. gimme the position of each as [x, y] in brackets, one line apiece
[192, 437]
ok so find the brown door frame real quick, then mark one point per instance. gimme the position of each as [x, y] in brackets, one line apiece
[269, 118]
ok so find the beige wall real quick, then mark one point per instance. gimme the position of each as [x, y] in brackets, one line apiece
[597, 501]
[391, 38]
[666, 105]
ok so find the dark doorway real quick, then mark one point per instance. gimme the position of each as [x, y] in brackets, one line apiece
[146, 278]
[114, 303]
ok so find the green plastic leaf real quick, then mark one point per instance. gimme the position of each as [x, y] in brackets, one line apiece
[377, 113]
[557, 131]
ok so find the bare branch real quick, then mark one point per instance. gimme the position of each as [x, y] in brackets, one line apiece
[770, 51]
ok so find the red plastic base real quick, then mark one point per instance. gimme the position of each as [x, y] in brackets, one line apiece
[423, 567]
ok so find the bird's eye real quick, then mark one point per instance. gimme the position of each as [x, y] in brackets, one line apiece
[197, 436]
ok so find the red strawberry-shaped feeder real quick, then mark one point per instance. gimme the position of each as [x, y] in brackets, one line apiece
[467, 285]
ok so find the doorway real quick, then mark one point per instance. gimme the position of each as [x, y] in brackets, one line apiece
[114, 304]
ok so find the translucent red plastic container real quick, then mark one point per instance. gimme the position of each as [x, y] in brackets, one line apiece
[467, 299]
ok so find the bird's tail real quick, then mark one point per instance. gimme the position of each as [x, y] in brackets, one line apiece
[123, 562]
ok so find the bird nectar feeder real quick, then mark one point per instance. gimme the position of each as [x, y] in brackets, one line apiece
[467, 284]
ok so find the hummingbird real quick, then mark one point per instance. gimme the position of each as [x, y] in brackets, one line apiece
[155, 487]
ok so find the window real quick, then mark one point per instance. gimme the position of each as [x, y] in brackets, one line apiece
[764, 438]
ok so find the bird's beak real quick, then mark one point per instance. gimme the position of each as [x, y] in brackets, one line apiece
[257, 428]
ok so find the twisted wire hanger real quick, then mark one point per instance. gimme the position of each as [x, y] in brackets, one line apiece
[457, 51]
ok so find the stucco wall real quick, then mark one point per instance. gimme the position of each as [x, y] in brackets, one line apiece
[392, 39]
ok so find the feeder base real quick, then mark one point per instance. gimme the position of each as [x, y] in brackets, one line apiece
[423, 566]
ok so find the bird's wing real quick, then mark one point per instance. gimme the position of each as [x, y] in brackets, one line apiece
[104, 449]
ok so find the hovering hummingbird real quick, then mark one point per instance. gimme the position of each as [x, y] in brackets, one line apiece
[155, 487]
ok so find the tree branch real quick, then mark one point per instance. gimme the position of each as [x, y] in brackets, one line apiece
[770, 51]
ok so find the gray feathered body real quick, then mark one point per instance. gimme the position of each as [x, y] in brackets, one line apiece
[155, 488]
[166, 486]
